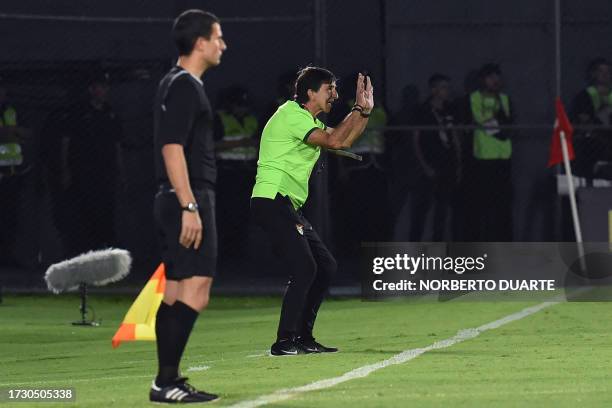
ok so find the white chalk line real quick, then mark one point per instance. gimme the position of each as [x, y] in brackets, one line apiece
[258, 355]
[198, 368]
[121, 377]
[68, 381]
[404, 356]
[192, 359]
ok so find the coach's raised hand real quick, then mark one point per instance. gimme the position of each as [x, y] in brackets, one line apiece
[365, 93]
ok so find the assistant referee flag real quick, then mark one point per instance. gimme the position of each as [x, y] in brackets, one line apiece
[139, 322]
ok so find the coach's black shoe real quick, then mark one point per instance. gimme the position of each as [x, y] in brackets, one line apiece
[309, 345]
[286, 347]
[180, 391]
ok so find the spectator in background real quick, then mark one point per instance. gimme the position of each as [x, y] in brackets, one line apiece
[93, 168]
[371, 143]
[284, 93]
[402, 176]
[491, 184]
[10, 141]
[593, 106]
[372, 210]
[464, 219]
[236, 135]
[55, 138]
[439, 157]
[11, 158]
[236, 127]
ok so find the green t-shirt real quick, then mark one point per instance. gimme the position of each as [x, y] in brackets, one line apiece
[285, 159]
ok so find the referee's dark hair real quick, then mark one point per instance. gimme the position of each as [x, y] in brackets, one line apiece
[311, 78]
[191, 25]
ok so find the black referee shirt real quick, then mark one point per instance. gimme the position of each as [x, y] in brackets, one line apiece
[183, 115]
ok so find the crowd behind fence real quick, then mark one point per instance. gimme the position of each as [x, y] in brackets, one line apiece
[446, 163]
[432, 171]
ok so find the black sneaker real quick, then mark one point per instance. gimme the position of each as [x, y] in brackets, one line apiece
[309, 345]
[286, 347]
[180, 391]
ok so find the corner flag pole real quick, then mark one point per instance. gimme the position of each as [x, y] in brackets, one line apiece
[564, 150]
[572, 197]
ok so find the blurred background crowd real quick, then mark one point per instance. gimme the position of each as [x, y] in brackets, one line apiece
[455, 149]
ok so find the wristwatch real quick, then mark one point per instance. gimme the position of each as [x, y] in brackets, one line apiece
[191, 207]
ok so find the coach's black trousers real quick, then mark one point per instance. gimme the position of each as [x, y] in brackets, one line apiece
[309, 263]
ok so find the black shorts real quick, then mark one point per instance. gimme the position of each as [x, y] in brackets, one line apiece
[180, 262]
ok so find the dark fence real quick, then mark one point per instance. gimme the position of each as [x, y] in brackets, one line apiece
[82, 84]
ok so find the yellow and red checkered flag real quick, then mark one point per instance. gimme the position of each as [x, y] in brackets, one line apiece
[139, 322]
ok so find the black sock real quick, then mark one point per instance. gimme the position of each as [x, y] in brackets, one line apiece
[165, 333]
[186, 316]
[172, 328]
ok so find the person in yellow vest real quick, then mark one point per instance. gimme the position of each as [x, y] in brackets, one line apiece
[12, 166]
[372, 141]
[236, 127]
[593, 106]
[492, 153]
[11, 154]
[236, 130]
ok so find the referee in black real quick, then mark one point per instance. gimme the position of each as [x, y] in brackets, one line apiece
[185, 203]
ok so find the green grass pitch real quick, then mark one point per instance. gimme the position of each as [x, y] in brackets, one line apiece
[558, 357]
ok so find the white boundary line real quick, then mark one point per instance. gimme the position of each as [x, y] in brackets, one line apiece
[198, 368]
[69, 381]
[406, 355]
[191, 359]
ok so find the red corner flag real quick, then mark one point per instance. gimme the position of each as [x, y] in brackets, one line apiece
[562, 124]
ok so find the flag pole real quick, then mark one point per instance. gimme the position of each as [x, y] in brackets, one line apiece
[572, 197]
[564, 150]
[558, 48]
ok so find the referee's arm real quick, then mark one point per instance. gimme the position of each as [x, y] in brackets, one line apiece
[176, 168]
[181, 107]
